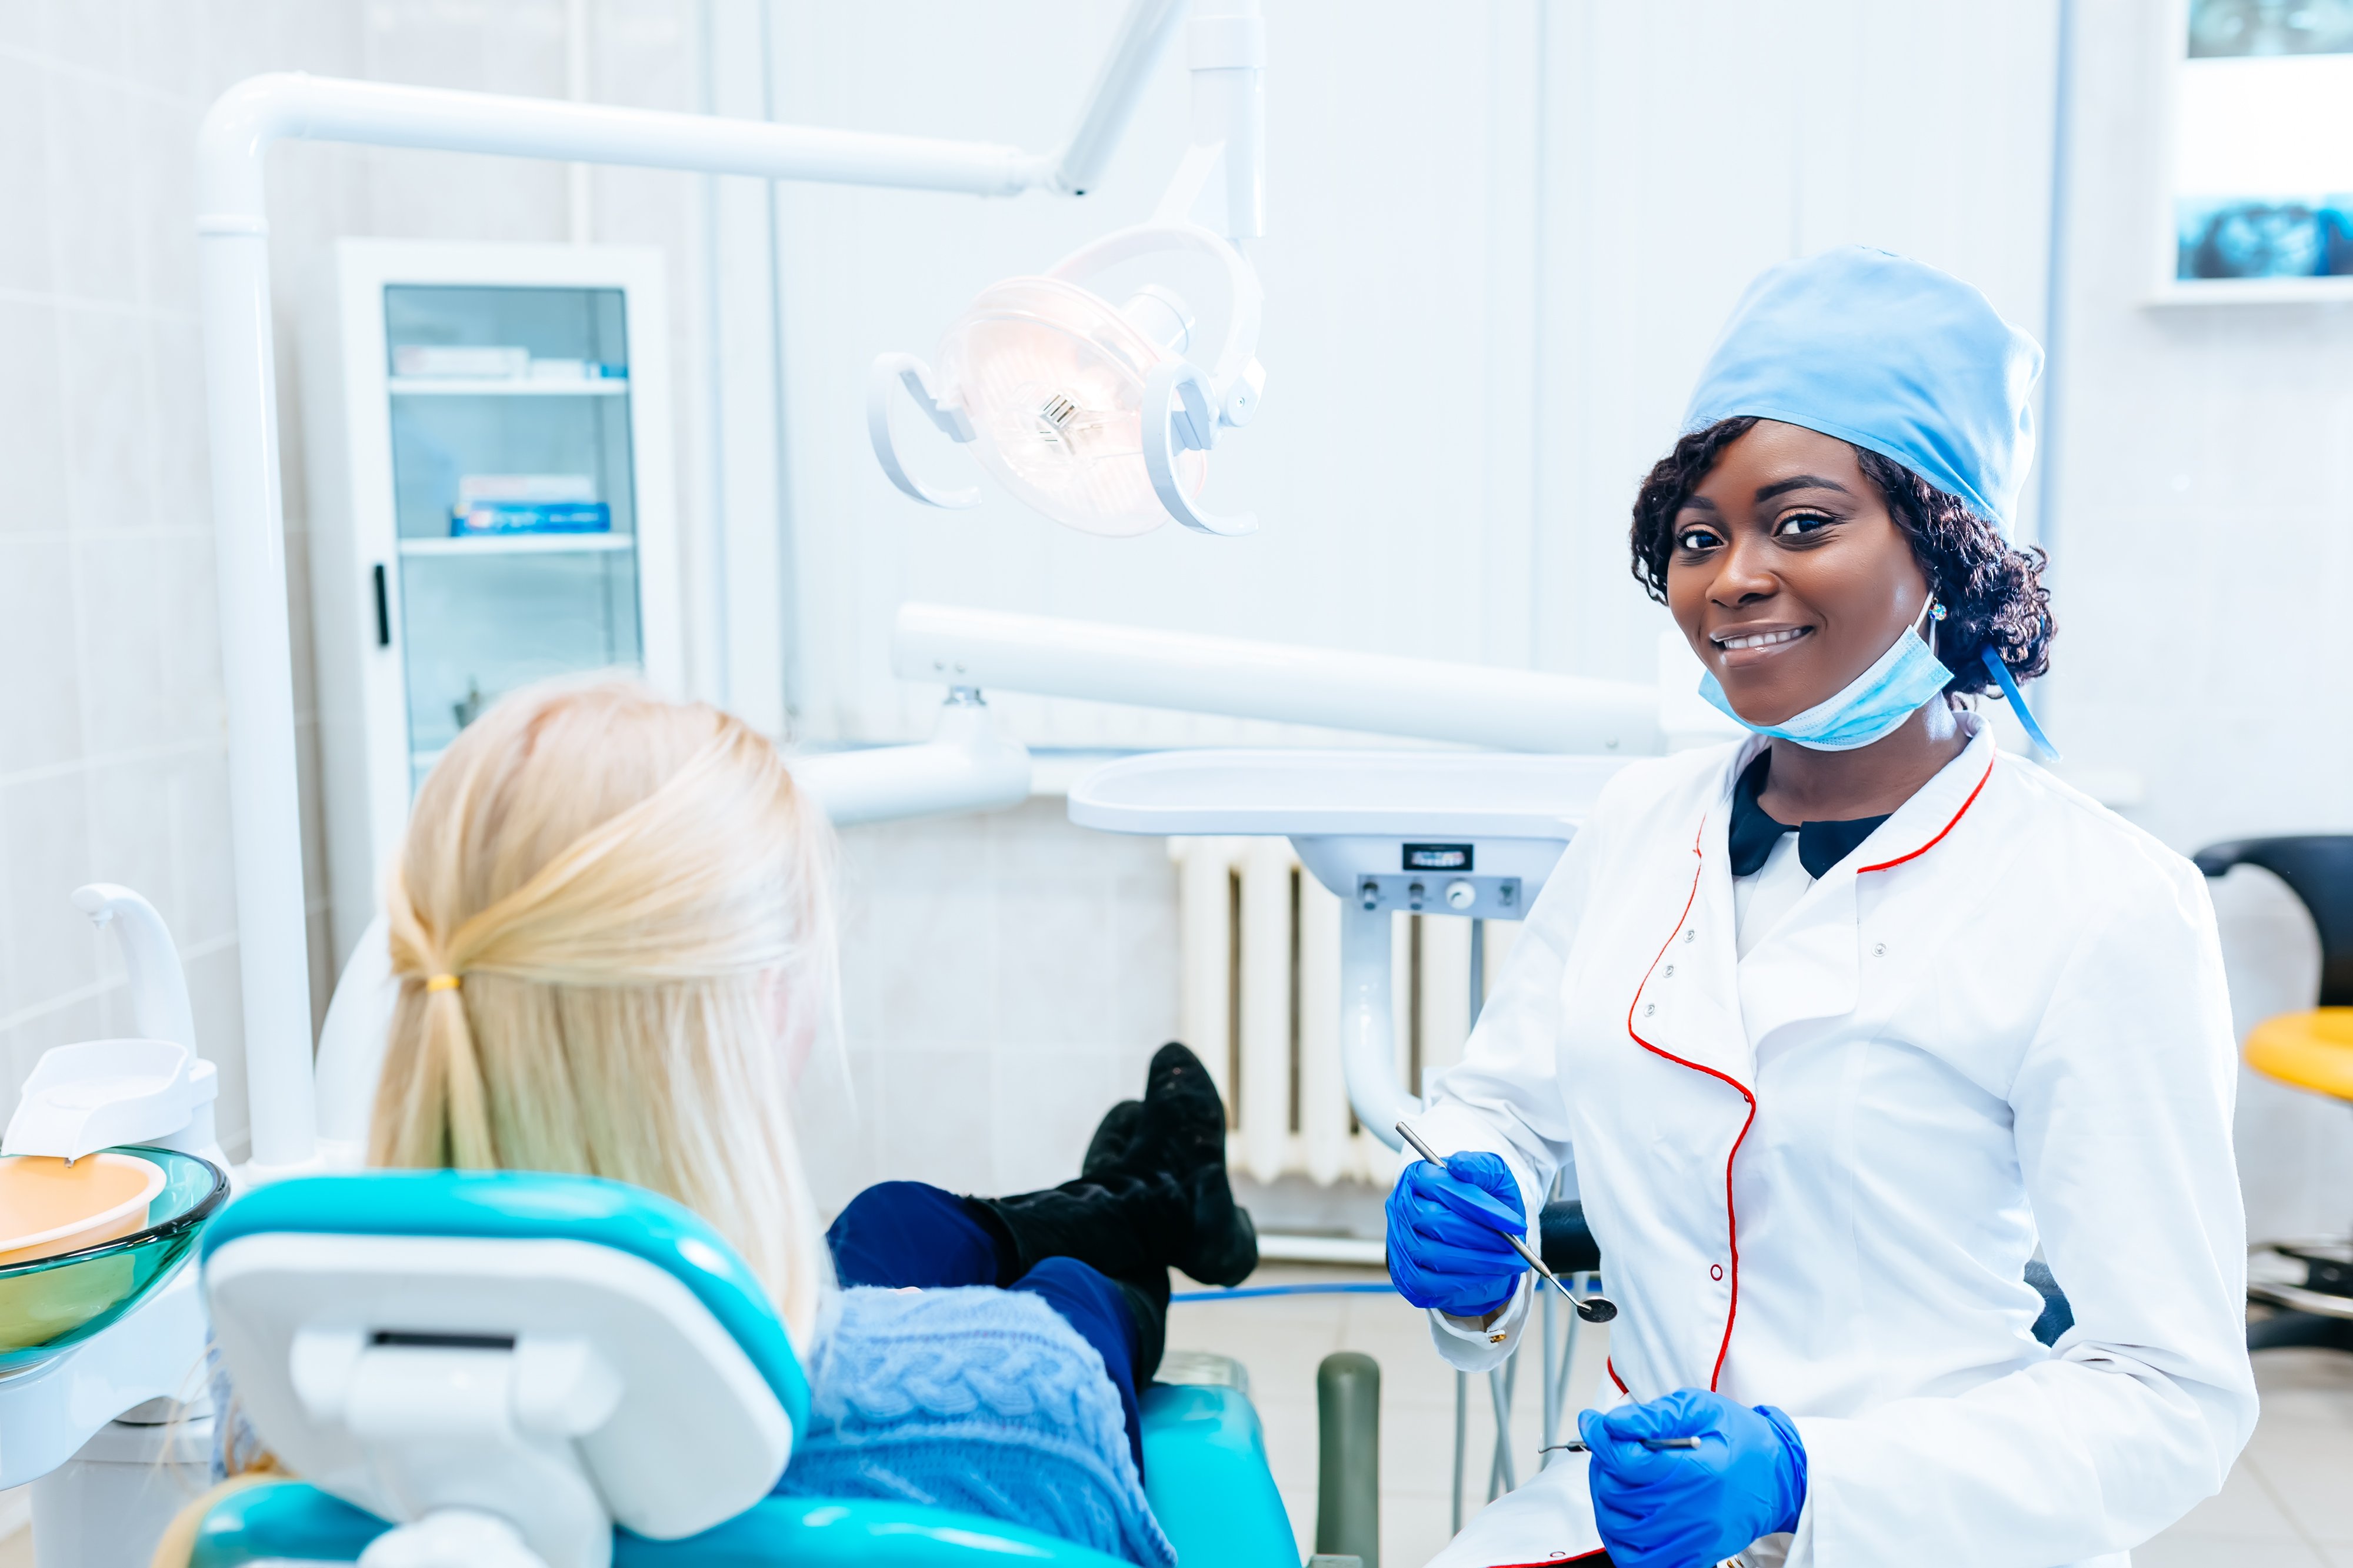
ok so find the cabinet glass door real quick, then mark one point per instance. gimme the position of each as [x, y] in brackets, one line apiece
[513, 493]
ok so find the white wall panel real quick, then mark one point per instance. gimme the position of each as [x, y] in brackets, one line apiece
[2205, 489]
[1690, 145]
[1501, 237]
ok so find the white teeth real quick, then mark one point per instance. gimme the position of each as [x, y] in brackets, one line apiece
[1762, 639]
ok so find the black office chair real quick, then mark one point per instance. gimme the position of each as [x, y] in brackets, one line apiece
[2310, 1282]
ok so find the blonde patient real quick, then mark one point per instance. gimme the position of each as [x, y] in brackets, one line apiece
[612, 928]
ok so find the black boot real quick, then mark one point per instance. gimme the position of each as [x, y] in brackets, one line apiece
[1182, 1126]
[1161, 1202]
[1113, 1134]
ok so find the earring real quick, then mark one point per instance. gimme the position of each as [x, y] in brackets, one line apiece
[1936, 610]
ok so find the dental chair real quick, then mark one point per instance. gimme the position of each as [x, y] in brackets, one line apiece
[509, 1369]
[2310, 1281]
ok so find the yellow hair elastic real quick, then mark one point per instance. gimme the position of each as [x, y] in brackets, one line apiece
[441, 982]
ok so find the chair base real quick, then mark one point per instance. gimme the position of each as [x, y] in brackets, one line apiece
[2310, 1277]
[2286, 1330]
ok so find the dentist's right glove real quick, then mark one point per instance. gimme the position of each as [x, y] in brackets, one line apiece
[1684, 1508]
[1446, 1227]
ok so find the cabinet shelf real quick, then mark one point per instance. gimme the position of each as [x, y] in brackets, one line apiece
[462, 386]
[520, 544]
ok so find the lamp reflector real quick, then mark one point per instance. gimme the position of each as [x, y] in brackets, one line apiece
[1052, 376]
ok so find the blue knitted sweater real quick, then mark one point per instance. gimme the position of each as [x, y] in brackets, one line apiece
[979, 1400]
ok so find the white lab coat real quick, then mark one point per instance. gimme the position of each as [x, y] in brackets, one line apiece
[1816, 1174]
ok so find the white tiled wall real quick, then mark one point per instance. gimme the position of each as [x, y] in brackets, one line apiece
[1007, 978]
[111, 732]
[111, 750]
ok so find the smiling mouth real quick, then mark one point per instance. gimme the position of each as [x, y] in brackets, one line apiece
[1760, 639]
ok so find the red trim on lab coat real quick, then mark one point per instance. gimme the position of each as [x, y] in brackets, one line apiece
[1731, 1220]
[1883, 865]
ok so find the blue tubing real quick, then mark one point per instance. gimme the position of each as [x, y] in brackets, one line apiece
[1282, 1291]
[1176, 1295]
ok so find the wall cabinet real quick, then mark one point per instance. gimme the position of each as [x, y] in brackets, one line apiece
[491, 503]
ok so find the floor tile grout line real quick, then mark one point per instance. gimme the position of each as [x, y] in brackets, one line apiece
[2295, 1521]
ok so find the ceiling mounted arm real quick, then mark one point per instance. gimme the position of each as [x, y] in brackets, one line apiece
[1143, 35]
[1226, 48]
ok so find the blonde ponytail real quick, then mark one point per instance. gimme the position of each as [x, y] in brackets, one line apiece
[605, 906]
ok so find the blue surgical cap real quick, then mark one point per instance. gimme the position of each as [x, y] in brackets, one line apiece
[1879, 351]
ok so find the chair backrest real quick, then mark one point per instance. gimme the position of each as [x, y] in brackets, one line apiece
[560, 1352]
[2318, 868]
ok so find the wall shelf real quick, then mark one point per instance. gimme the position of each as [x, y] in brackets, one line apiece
[2251, 292]
[518, 544]
[463, 387]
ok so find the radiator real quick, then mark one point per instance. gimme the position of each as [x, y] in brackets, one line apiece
[1259, 959]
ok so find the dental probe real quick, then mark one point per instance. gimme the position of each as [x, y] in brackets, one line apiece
[1592, 1308]
[1653, 1444]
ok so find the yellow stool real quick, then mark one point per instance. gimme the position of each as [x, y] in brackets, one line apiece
[2311, 1281]
[2306, 1050]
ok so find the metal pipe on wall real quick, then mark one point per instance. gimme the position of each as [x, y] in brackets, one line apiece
[1480, 705]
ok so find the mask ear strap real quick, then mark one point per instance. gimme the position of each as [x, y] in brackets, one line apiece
[2017, 702]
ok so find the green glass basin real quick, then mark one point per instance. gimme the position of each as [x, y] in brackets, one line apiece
[51, 1304]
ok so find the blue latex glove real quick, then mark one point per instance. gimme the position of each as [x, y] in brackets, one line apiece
[1446, 1234]
[1688, 1508]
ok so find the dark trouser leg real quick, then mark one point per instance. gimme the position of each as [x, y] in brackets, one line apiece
[1110, 1315]
[896, 1234]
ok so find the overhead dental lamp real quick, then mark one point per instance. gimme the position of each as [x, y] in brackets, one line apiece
[1103, 416]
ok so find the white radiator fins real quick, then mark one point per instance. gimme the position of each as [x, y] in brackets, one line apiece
[1266, 1134]
[1327, 1149]
[1264, 1013]
[1204, 936]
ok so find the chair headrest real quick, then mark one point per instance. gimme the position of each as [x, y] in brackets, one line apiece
[523, 1205]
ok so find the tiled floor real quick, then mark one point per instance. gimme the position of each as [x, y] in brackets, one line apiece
[2289, 1504]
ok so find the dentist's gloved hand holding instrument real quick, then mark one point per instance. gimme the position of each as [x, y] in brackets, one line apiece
[1453, 1227]
[1745, 1477]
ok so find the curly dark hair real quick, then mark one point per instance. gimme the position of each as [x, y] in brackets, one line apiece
[1993, 595]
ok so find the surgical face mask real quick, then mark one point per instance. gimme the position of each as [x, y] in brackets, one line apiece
[1870, 707]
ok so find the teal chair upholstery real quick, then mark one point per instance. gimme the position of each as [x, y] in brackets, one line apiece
[1208, 1478]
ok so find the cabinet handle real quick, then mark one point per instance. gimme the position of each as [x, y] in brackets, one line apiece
[382, 611]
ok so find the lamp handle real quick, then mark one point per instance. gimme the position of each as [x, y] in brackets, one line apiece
[1245, 299]
[907, 371]
[1181, 411]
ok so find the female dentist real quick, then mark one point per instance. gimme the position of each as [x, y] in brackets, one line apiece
[1842, 1021]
